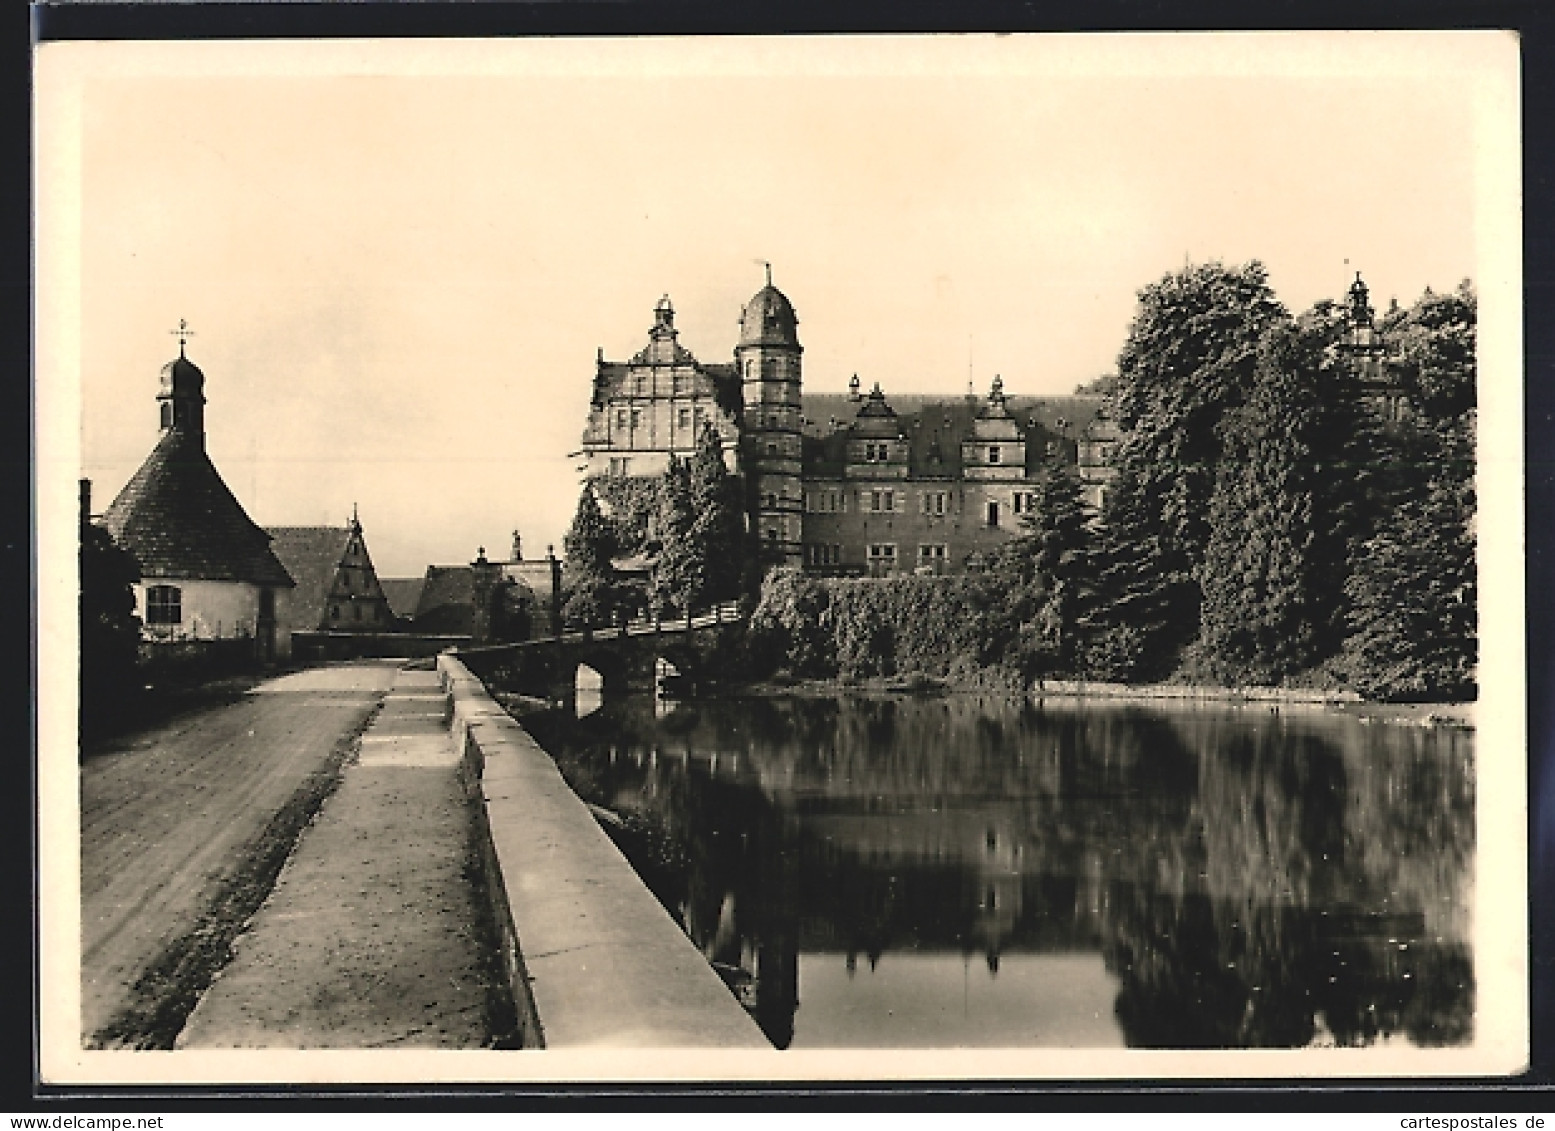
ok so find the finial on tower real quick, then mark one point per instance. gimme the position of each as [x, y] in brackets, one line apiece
[768, 266]
[355, 521]
[184, 334]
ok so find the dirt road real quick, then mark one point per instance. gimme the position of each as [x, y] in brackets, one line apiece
[183, 830]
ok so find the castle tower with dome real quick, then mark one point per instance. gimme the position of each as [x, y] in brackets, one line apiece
[768, 361]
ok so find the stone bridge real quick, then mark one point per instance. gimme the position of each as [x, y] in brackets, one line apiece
[675, 655]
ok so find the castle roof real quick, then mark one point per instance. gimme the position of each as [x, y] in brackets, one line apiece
[180, 521]
[403, 593]
[447, 603]
[769, 320]
[936, 425]
[311, 554]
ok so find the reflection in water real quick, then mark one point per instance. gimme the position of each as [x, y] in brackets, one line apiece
[962, 871]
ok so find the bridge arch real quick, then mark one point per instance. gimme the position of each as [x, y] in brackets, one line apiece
[613, 667]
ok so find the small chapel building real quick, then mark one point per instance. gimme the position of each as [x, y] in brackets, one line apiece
[208, 572]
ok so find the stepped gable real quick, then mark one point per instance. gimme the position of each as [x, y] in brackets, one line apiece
[180, 520]
[311, 554]
[935, 425]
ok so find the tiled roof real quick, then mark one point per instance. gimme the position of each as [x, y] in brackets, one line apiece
[936, 425]
[404, 594]
[311, 554]
[180, 521]
[447, 603]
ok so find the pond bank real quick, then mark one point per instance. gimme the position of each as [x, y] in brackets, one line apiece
[1159, 695]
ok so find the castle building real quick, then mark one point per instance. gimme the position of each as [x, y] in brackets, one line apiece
[840, 484]
[208, 572]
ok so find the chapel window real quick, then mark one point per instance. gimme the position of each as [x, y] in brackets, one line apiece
[164, 604]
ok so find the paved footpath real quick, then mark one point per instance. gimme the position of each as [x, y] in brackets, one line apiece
[182, 828]
[372, 935]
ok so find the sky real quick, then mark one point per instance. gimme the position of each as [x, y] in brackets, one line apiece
[399, 260]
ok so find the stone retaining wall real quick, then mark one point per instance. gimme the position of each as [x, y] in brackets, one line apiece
[1081, 689]
[592, 956]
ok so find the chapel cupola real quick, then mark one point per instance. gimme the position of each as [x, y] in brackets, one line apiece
[181, 397]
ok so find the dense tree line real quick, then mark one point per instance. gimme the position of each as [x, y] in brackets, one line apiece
[1273, 521]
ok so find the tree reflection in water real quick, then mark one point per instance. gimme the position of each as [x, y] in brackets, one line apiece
[1248, 879]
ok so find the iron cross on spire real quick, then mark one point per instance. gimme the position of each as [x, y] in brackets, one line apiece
[184, 334]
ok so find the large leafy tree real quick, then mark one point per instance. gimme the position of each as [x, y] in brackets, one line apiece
[1143, 598]
[110, 631]
[717, 523]
[1048, 585]
[1275, 557]
[1412, 585]
[679, 575]
[589, 582]
[1188, 360]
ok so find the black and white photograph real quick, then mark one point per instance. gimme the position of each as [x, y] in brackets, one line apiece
[781, 558]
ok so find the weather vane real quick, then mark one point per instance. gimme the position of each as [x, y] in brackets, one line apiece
[184, 334]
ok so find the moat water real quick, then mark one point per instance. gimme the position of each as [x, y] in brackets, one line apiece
[961, 872]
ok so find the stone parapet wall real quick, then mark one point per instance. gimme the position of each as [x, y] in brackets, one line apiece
[590, 950]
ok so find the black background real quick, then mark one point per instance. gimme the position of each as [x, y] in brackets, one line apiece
[19, 28]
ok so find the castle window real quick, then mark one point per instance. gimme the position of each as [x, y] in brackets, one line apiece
[621, 418]
[820, 554]
[993, 514]
[167, 415]
[685, 418]
[769, 501]
[771, 422]
[880, 501]
[164, 604]
[1052, 447]
[772, 449]
[637, 418]
[933, 502]
[993, 455]
[882, 555]
[931, 553]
